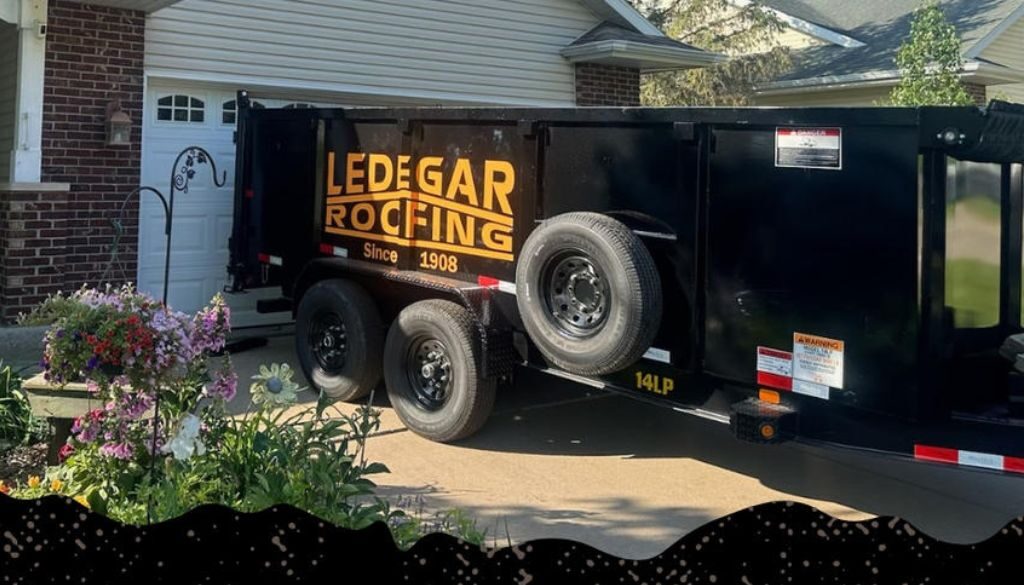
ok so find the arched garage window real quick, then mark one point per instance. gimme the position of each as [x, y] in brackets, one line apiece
[229, 113]
[180, 108]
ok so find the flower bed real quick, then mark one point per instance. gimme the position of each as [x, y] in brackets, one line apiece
[162, 442]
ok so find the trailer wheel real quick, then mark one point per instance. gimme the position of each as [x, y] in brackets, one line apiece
[589, 293]
[433, 368]
[339, 339]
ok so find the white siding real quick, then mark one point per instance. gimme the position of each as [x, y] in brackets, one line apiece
[8, 93]
[1008, 50]
[486, 51]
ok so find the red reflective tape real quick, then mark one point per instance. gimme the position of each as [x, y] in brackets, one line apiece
[327, 249]
[249, 193]
[264, 258]
[775, 381]
[940, 454]
[1014, 464]
[487, 281]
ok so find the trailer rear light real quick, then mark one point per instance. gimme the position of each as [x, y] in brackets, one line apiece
[503, 286]
[249, 194]
[969, 458]
[770, 396]
[272, 260]
[333, 251]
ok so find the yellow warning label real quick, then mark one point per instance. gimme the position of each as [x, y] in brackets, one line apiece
[815, 341]
[818, 360]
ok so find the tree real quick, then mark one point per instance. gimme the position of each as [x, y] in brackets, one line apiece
[742, 30]
[930, 62]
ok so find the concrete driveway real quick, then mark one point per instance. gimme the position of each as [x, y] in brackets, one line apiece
[558, 460]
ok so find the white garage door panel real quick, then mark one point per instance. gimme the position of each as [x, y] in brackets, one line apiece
[203, 216]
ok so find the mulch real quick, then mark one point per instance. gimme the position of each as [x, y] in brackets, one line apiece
[20, 462]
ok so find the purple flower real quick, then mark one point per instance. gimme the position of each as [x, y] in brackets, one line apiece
[122, 451]
[224, 386]
[93, 363]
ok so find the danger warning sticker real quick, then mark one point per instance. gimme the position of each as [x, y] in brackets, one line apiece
[809, 148]
[774, 368]
[818, 360]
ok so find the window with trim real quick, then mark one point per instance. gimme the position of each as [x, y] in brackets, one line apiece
[180, 108]
[229, 113]
[299, 106]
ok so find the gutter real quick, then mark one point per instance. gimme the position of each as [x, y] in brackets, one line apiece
[652, 57]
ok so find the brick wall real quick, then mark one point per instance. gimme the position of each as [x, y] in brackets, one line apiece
[978, 93]
[94, 55]
[33, 230]
[606, 85]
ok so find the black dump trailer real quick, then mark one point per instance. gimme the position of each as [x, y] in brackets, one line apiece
[841, 275]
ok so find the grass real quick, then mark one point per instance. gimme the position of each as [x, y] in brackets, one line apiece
[972, 290]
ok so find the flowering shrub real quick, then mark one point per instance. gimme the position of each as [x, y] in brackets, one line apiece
[148, 365]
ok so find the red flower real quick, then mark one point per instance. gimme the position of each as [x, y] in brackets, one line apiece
[66, 451]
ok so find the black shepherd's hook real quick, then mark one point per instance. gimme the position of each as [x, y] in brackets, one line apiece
[182, 174]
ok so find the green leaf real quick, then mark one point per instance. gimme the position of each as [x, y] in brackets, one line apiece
[372, 468]
[97, 503]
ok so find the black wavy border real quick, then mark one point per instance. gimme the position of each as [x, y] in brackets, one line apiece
[55, 540]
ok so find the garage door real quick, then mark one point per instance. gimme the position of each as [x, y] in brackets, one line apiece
[179, 116]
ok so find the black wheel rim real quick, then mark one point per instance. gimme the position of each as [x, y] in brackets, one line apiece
[429, 369]
[576, 294]
[328, 339]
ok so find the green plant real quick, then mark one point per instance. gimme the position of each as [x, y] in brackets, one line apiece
[17, 424]
[745, 32]
[930, 62]
[148, 365]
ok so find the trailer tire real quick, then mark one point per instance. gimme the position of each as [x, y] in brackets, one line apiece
[337, 314]
[589, 293]
[433, 367]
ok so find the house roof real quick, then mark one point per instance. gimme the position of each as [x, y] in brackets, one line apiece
[882, 25]
[611, 44]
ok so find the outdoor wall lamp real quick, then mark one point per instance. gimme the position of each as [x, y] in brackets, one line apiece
[119, 126]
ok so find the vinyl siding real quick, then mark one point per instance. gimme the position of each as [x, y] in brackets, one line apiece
[485, 51]
[1008, 50]
[860, 96]
[8, 95]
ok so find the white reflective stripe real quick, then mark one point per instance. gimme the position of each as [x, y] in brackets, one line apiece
[811, 389]
[701, 413]
[659, 355]
[340, 252]
[507, 287]
[975, 459]
[276, 261]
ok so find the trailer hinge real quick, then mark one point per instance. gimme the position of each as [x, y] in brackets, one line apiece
[684, 131]
[527, 128]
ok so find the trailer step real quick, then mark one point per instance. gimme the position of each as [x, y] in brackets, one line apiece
[273, 305]
[757, 421]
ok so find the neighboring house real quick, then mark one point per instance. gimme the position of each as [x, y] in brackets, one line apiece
[174, 67]
[844, 51]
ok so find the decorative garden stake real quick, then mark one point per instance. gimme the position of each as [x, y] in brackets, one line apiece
[182, 174]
